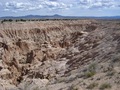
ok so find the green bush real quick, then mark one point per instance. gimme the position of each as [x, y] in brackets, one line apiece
[91, 71]
[10, 20]
[92, 67]
[23, 20]
[90, 74]
[6, 20]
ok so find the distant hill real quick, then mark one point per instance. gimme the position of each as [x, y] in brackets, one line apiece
[56, 16]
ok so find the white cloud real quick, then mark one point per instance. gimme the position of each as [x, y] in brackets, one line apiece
[14, 6]
[55, 5]
[24, 6]
[88, 4]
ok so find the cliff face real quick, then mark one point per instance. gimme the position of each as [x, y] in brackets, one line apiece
[37, 55]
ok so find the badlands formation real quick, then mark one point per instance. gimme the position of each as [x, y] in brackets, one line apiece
[60, 55]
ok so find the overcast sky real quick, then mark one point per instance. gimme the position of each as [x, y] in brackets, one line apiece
[62, 7]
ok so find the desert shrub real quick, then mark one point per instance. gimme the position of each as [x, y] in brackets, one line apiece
[32, 19]
[23, 20]
[91, 71]
[4, 20]
[10, 20]
[92, 85]
[17, 20]
[92, 67]
[105, 86]
[89, 74]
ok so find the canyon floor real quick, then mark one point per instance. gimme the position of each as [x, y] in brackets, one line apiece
[60, 55]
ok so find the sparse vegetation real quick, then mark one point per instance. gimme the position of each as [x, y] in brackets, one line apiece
[89, 74]
[10, 20]
[105, 86]
[91, 71]
[92, 85]
[92, 67]
[24, 20]
[6, 20]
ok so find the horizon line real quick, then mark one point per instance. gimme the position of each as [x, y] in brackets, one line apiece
[59, 15]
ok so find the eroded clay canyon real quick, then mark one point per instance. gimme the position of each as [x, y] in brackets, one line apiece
[60, 55]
